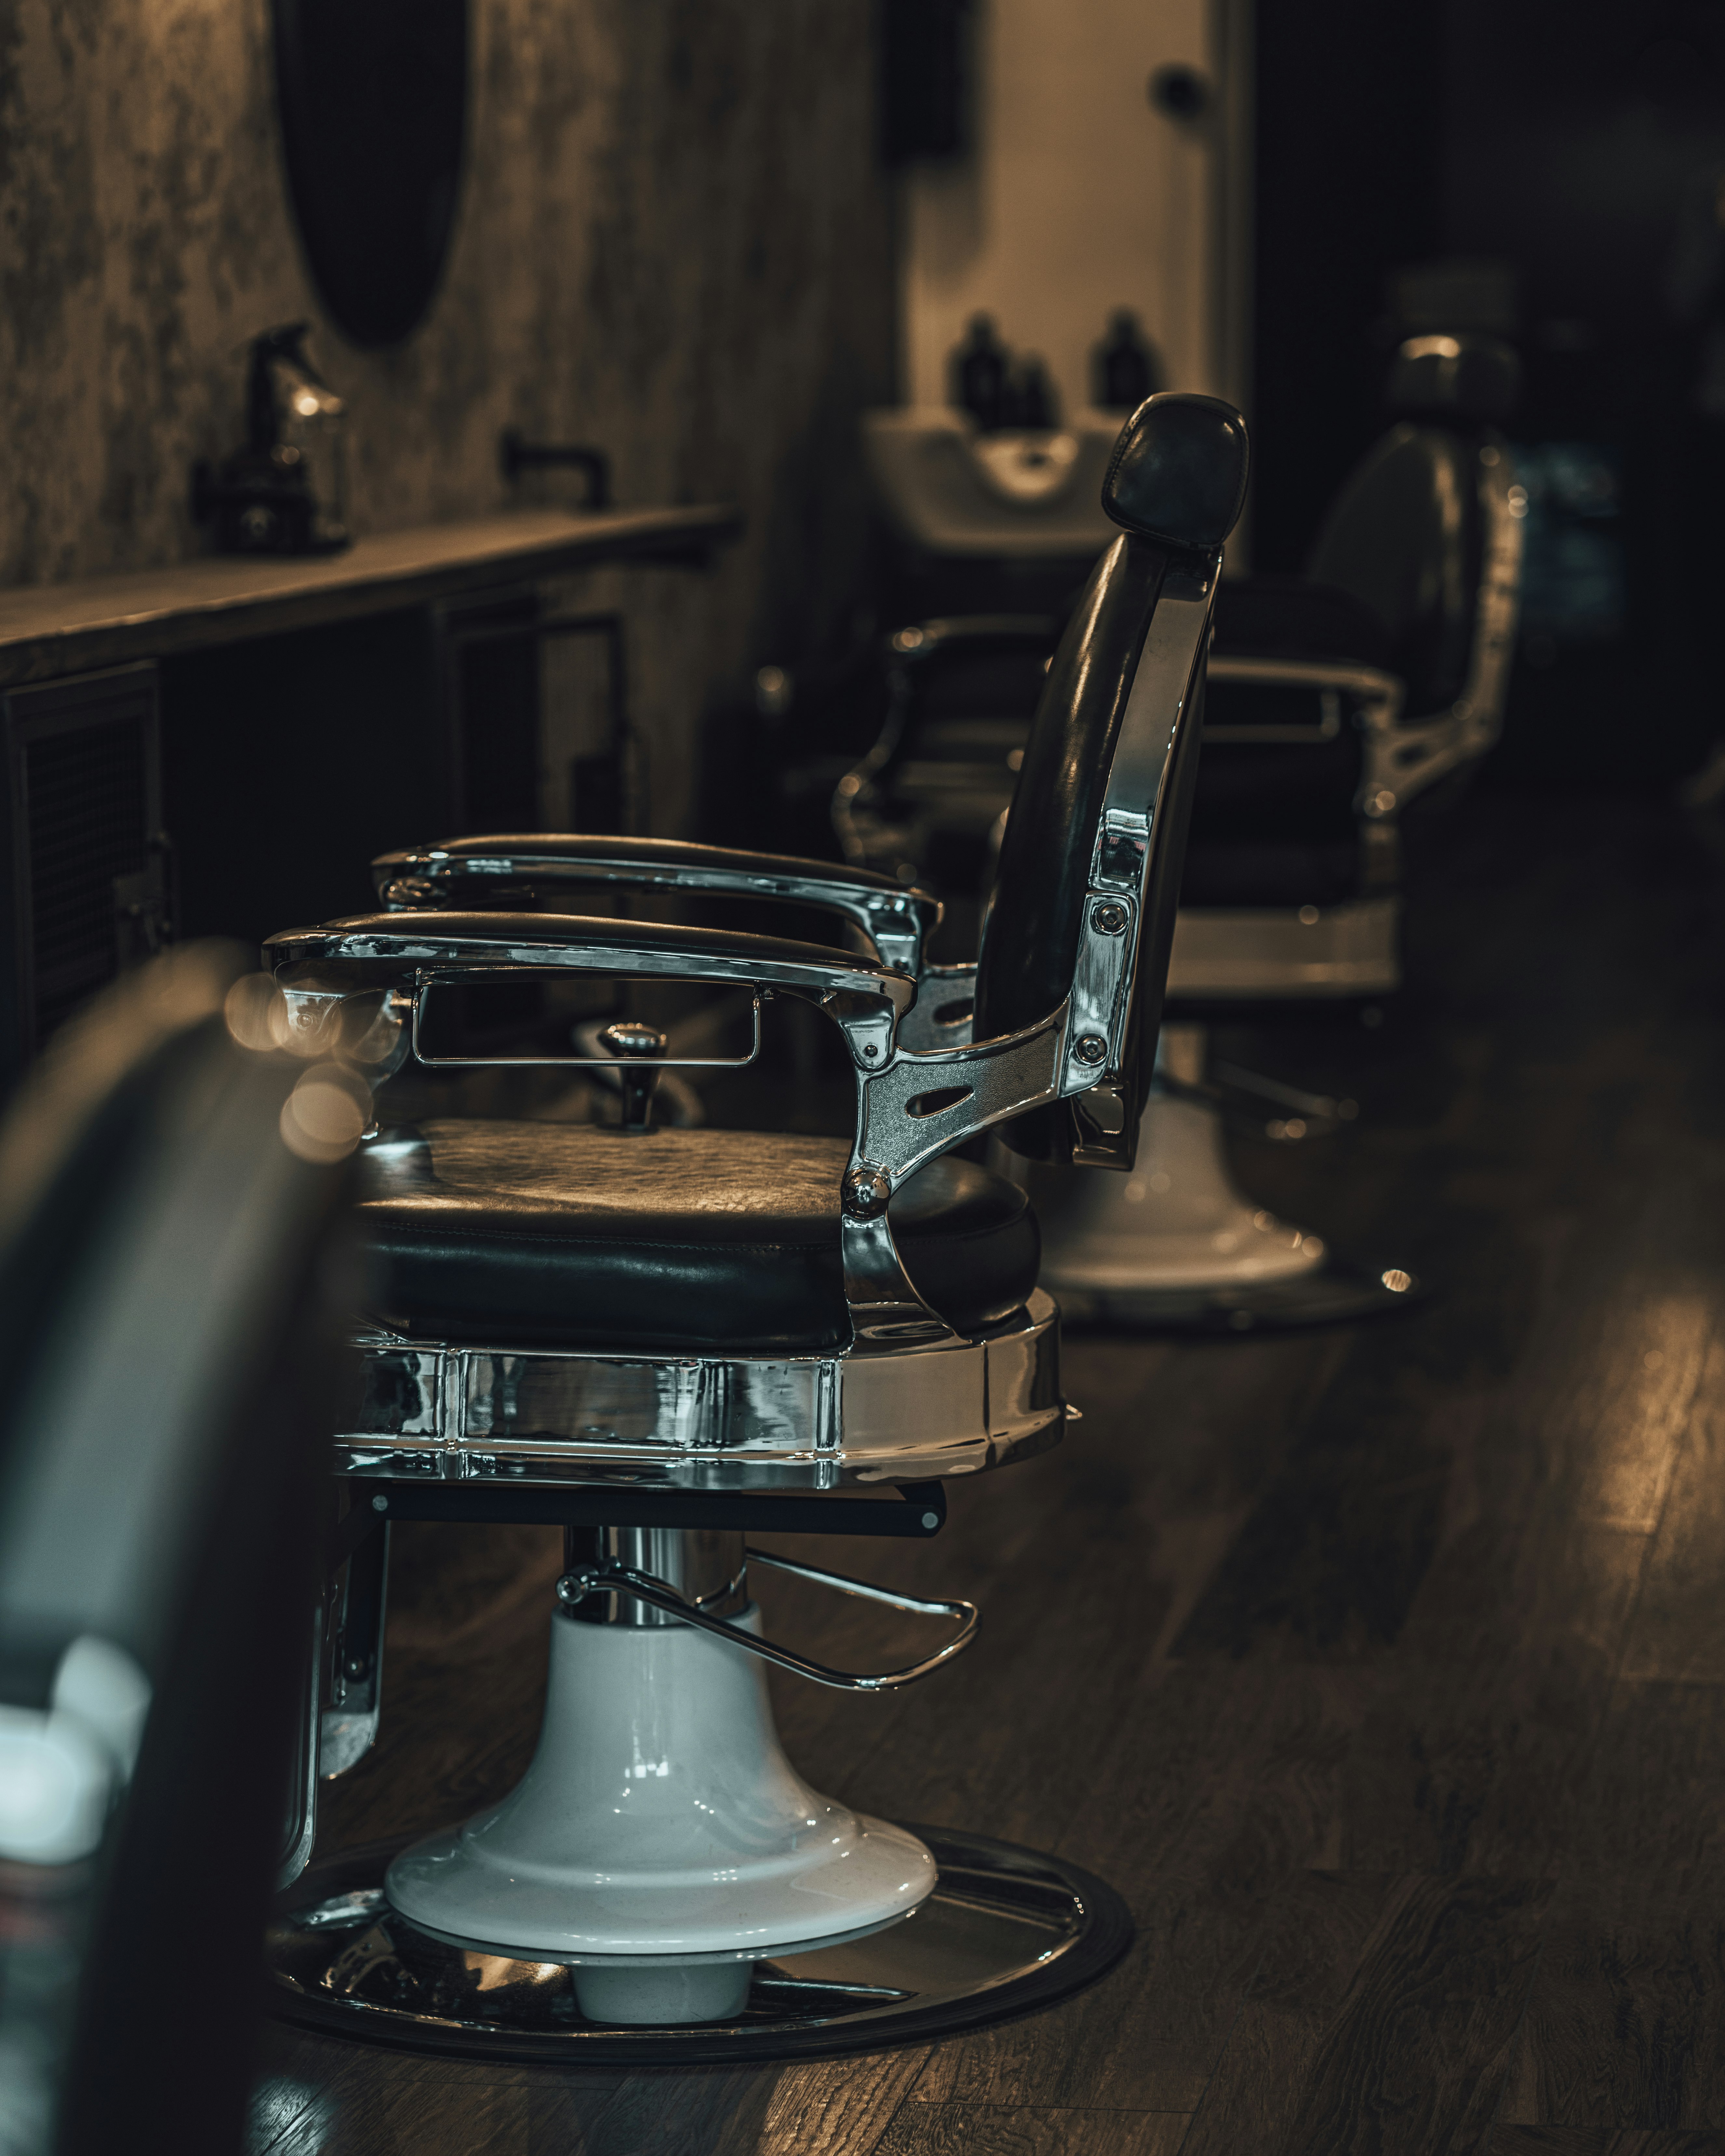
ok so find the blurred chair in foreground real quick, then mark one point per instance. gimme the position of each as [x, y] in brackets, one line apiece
[170, 1184]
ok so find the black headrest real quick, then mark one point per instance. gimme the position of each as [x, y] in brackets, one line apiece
[1178, 471]
[1468, 376]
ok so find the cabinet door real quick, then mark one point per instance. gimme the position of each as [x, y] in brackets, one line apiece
[90, 885]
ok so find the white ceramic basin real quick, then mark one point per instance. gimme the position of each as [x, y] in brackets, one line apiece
[953, 491]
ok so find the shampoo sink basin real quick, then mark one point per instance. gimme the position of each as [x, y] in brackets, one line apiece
[951, 490]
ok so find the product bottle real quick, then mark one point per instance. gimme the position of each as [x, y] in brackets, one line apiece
[1124, 365]
[978, 368]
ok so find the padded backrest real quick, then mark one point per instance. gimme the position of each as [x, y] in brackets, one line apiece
[1406, 534]
[1406, 538]
[1032, 942]
[1176, 484]
[162, 1405]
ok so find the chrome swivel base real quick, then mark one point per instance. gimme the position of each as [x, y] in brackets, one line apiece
[1177, 1246]
[661, 1875]
[1004, 1930]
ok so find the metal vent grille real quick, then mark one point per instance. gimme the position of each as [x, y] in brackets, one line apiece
[88, 882]
[85, 793]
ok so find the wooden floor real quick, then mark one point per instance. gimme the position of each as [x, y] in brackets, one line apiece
[1382, 1671]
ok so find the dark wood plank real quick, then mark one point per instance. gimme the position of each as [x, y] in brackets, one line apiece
[463, 1680]
[1314, 1941]
[1218, 1790]
[1649, 1802]
[1587, 2141]
[1413, 2056]
[835, 2107]
[328, 2099]
[1679, 1628]
[958, 2129]
[1626, 2025]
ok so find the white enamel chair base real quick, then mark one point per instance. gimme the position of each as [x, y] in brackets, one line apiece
[1179, 1220]
[1176, 1245]
[660, 1842]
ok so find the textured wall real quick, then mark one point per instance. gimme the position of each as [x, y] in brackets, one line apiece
[673, 241]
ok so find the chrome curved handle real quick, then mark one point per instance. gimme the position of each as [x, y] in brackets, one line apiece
[623, 1579]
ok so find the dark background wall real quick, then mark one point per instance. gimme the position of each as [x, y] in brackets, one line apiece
[1582, 142]
[1349, 119]
[673, 241]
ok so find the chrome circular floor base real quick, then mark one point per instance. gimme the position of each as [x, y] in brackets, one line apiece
[1005, 1930]
[1331, 1293]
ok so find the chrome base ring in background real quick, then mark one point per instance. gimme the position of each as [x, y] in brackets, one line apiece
[1006, 1930]
[1334, 1292]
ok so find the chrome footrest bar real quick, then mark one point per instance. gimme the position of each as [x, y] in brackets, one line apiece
[623, 1579]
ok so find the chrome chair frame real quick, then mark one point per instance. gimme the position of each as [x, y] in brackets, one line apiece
[907, 1398]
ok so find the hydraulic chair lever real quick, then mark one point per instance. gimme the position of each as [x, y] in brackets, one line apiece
[623, 1579]
[639, 1050]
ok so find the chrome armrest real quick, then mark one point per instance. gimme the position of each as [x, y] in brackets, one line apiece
[1375, 690]
[1406, 754]
[910, 1107]
[461, 872]
[402, 956]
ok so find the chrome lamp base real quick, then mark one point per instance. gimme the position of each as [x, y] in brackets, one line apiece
[1004, 1930]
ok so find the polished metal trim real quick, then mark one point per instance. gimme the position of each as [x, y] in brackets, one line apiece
[371, 957]
[1005, 1929]
[1167, 688]
[432, 1411]
[944, 1012]
[897, 923]
[1403, 757]
[619, 1579]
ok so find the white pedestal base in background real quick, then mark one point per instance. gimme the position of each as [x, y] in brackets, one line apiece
[1176, 1244]
[1177, 1221]
[660, 1841]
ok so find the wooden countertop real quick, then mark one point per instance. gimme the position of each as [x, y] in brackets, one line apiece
[51, 629]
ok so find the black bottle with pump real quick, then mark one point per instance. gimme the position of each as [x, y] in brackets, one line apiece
[1030, 402]
[1124, 365]
[979, 368]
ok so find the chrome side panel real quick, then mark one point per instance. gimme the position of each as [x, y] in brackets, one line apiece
[454, 1413]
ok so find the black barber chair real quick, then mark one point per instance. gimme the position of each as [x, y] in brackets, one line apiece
[1336, 701]
[927, 804]
[171, 1184]
[661, 1338]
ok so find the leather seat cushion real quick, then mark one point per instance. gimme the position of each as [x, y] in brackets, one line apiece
[578, 1234]
[1278, 617]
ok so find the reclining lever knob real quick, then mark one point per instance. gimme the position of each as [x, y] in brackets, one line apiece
[637, 1049]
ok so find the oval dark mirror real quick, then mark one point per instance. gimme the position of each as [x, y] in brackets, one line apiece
[372, 95]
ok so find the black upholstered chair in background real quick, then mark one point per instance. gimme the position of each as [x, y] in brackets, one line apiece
[170, 1184]
[1337, 701]
[660, 1337]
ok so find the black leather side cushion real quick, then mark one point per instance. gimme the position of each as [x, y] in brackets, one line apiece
[542, 1234]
